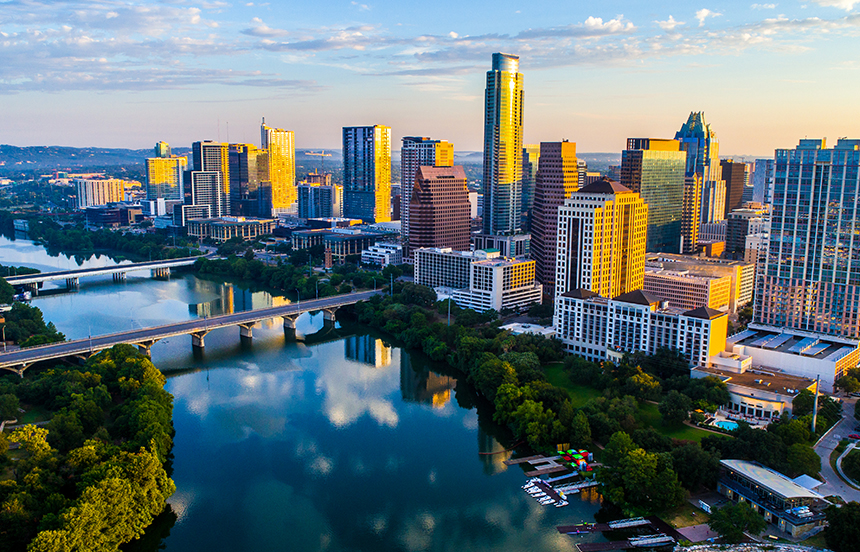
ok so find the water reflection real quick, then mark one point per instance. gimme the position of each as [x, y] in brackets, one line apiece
[367, 349]
[421, 385]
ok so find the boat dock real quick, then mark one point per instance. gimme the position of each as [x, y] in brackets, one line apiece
[514, 461]
[576, 487]
[647, 541]
[603, 527]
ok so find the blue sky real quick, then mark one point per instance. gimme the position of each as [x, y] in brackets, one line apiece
[126, 74]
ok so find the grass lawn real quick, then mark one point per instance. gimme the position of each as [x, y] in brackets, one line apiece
[651, 418]
[685, 515]
[579, 394]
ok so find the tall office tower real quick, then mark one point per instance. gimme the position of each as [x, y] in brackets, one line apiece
[418, 151]
[601, 240]
[583, 171]
[281, 167]
[161, 149]
[810, 278]
[98, 191]
[655, 169]
[690, 213]
[503, 145]
[557, 178]
[762, 181]
[531, 157]
[734, 175]
[244, 181]
[211, 157]
[703, 158]
[164, 177]
[367, 173]
[439, 213]
[318, 198]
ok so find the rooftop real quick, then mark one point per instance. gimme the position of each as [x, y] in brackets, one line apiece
[605, 186]
[638, 297]
[770, 479]
[705, 313]
[762, 380]
[818, 347]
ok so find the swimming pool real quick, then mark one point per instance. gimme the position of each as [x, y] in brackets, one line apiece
[727, 425]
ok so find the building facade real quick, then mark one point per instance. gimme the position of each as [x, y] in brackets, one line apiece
[762, 181]
[691, 214]
[419, 151]
[601, 240]
[222, 229]
[212, 159]
[246, 198]
[383, 254]
[741, 223]
[810, 278]
[164, 177]
[735, 177]
[316, 200]
[655, 169]
[280, 165]
[367, 173]
[98, 191]
[503, 145]
[703, 159]
[207, 188]
[557, 178]
[688, 291]
[531, 158]
[439, 210]
[742, 274]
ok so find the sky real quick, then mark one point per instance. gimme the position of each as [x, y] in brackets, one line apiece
[127, 74]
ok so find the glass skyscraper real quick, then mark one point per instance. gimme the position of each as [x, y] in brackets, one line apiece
[280, 167]
[810, 277]
[703, 159]
[654, 169]
[367, 173]
[503, 147]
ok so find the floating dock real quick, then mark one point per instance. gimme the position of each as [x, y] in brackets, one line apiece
[647, 541]
[576, 487]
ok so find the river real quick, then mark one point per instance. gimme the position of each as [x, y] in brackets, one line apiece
[337, 440]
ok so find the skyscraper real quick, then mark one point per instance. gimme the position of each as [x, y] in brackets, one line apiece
[319, 198]
[418, 151]
[245, 197]
[601, 240]
[281, 167]
[439, 213]
[655, 169]
[810, 278]
[531, 155]
[367, 173]
[762, 181]
[211, 157]
[556, 179]
[703, 158]
[164, 177]
[734, 175]
[161, 149]
[503, 144]
[690, 214]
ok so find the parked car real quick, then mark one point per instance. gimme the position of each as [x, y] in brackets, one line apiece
[854, 436]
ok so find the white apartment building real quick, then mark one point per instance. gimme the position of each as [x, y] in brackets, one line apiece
[601, 329]
[383, 254]
[99, 191]
[479, 280]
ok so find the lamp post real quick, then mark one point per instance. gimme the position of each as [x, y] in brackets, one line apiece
[298, 297]
[318, 288]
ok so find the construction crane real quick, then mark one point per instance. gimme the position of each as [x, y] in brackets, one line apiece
[322, 155]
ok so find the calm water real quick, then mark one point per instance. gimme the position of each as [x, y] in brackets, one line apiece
[335, 441]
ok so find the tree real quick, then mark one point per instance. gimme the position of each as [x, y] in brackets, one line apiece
[803, 459]
[732, 521]
[6, 291]
[642, 386]
[695, 466]
[33, 440]
[580, 431]
[843, 527]
[8, 407]
[849, 384]
[675, 407]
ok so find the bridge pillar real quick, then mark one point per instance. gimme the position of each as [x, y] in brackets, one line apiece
[290, 321]
[328, 315]
[197, 339]
[119, 277]
[72, 283]
[33, 288]
[145, 347]
[245, 330]
[163, 272]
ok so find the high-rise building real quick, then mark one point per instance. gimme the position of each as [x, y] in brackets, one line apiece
[281, 167]
[98, 191]
[161, 149]
[367, 173]
[439, 213]
[740, 223]
[531, 157]
[319, 198]
[503, 145]
[703, 158]
[734, 175]
[655, 169]
[418, 151]
[810, 279]
[164, 177]
[210, 189]
[762, 181]
[690, 214]
[601, 240]
[245, 196]
[556, 179]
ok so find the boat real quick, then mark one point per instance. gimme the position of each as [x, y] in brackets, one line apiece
[560, 504]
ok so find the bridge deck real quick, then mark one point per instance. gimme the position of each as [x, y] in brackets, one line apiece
[81, 272]
[24, 357]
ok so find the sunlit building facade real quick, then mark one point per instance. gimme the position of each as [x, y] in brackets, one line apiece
[367, 173]
[703, 159]
[98, 191]
[164, 177]
[281, 167]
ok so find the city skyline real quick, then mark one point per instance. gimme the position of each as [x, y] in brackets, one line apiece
[595, 75]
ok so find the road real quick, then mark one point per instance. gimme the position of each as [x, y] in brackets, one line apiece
[23, 357]
[834, 484]
[81, 272]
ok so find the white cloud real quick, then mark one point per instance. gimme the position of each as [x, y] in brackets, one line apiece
[763, 6]
[669, 24]
[846, 5]
[362, 7]
[705, 13]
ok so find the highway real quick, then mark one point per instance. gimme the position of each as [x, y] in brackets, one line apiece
[83, 272]
[19, 360]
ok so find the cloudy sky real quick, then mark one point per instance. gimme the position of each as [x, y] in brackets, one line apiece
[126, 74]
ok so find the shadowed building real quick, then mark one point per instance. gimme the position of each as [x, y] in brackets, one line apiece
[367, 173]
[531, 157]
[557, 178]
[419, 151]
[439, 209]
[210, 176]
[734, 175]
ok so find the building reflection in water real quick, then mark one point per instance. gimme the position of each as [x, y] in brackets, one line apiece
[492, 453]
[367, 349]
[423, 385]
[230, 299]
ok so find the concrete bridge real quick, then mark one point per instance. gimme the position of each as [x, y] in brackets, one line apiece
[159, 269]
[144, 339]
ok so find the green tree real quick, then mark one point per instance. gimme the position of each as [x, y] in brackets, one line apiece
[843, 527]
[803, 459]
[33, 439]
[6, 291]
[675, 407]
[732, 521]
[695, 466]
[9, 406]
[580, 431]
[849, 384]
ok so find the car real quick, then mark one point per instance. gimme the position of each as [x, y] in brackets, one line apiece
[854, 436]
